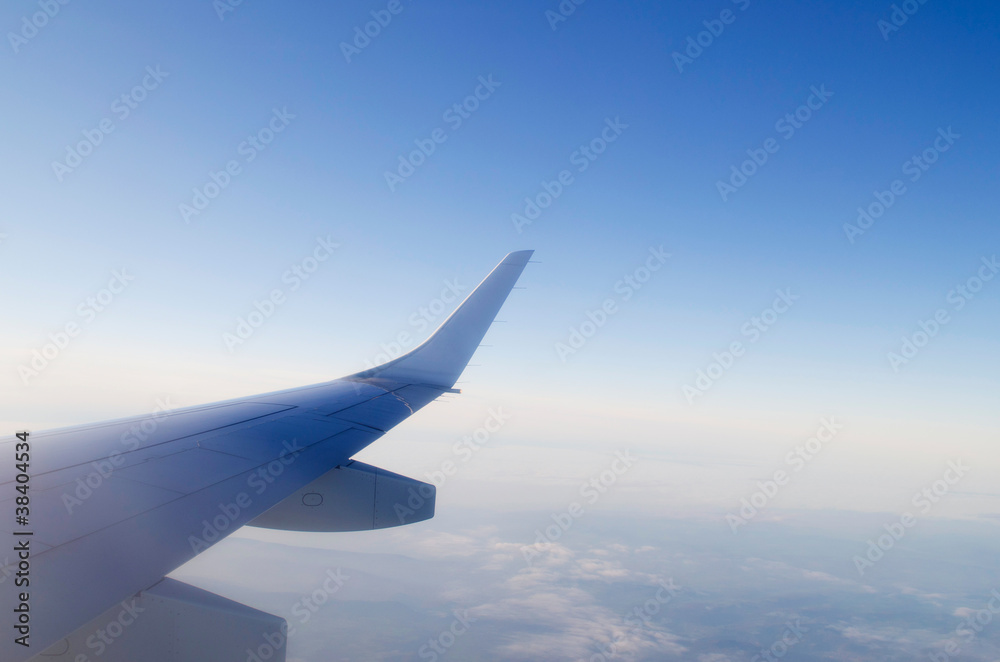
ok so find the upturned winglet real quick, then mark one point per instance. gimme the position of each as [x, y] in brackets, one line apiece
[440, 359]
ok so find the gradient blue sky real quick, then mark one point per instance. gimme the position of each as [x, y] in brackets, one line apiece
[162, 339]
[656, 185]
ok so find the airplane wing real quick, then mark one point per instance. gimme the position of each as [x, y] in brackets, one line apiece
[115, 506]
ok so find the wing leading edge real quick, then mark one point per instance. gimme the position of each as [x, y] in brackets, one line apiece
[160, 501]
[441, 358]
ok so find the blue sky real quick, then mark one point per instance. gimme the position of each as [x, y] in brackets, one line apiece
[344, 124]
[347, 123]
[333, 128]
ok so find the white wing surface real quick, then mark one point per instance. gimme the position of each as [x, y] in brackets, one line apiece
[117, 505]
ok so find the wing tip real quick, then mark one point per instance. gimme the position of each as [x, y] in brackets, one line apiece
[442, 357]
[518, 258]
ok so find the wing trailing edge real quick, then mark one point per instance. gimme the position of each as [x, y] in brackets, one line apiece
[173, 621]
